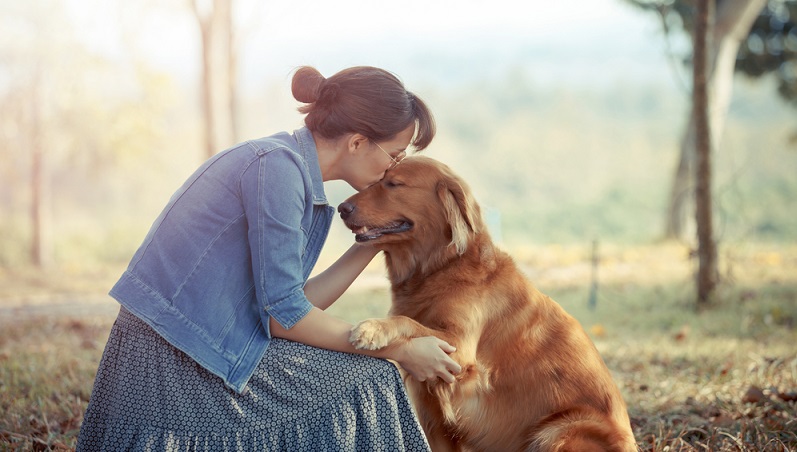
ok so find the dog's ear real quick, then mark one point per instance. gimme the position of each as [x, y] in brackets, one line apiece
[461, 211]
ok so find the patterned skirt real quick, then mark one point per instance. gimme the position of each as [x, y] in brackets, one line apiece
[150, 396]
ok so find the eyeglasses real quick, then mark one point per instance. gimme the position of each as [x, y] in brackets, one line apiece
[393, 161]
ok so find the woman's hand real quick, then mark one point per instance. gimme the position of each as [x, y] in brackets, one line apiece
[426, 358]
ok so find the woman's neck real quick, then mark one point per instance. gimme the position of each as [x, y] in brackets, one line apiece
[329, 153]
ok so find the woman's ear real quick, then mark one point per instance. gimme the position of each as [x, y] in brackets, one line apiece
[356, 142]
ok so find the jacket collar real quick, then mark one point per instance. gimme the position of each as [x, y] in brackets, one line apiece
[309, 152]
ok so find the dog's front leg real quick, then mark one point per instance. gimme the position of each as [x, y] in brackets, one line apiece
[373, 334]
[439, 442]
[440, 436]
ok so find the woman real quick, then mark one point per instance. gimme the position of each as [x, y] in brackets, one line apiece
[222, 343]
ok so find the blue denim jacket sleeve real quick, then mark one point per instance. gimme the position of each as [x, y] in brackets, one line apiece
[275, 194]
[232, 249]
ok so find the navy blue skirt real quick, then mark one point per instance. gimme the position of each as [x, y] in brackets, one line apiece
[150, 396]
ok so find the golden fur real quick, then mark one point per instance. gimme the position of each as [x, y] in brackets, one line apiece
[531, 378]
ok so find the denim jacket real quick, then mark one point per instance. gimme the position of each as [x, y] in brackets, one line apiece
[233, 247]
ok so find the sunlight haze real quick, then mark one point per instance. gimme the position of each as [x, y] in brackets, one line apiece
[278, 36]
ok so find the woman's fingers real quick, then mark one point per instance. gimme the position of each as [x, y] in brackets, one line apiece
[448, 348]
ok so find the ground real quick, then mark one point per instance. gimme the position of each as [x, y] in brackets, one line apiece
[719, 378]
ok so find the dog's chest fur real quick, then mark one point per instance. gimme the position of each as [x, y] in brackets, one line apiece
[464, 310]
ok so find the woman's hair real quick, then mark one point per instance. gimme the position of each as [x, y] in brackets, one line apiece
[362, 99]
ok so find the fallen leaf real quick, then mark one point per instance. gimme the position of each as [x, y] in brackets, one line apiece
[790, 396]
[722, 421]
[754, 395]
[598, 330]
[682, 334]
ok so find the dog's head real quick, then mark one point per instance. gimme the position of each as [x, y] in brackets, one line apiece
[420, 207]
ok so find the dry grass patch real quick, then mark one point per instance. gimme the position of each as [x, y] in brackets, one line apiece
[722, 379]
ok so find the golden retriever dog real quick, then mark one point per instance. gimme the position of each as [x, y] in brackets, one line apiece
[531, 378]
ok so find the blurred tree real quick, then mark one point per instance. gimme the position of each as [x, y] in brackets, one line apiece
[30, 61]
[707, 251]
[41, 239]
[732, 46]
[54, 93]
[219, 76]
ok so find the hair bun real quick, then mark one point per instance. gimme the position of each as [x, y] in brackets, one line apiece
[306, 84]
[328, 93]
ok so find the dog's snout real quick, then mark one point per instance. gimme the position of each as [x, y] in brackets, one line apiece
[345, 209]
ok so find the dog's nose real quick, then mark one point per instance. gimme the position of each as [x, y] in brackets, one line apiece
[345, 209]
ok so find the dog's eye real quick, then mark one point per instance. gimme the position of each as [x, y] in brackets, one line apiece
[392, 184]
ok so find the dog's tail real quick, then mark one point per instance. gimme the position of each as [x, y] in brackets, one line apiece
[579, 431]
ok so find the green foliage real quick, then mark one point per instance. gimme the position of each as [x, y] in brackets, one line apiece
[770, 47]
[568, 166]
[555, 163]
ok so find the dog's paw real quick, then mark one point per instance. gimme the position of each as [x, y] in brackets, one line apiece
[369, 335]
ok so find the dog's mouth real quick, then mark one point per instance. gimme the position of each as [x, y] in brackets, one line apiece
[368, 233]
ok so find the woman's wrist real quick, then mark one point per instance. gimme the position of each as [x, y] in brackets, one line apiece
[323, 289]
[366, 251]
[398, 352]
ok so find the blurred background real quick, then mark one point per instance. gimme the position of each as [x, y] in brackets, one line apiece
[572, 121]
[566, 117]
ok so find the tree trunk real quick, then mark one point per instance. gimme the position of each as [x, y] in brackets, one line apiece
[680, 191]
[40, 246]
[232, 74]
[219, 74]
[707, 251]
[733, 20]
[206, 81]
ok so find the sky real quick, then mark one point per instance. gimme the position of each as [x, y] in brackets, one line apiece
[573, 41]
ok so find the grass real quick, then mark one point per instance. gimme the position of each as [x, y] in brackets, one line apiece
[723, 378]
[47, 367]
